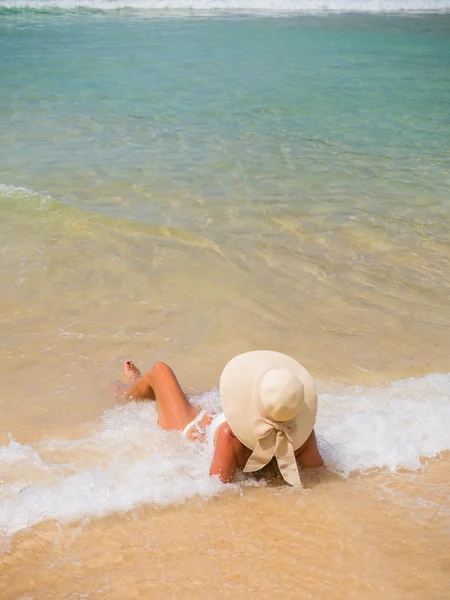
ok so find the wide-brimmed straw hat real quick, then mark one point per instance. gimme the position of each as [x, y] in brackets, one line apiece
[270, 403]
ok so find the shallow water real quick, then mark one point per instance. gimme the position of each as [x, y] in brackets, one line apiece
[184, 188]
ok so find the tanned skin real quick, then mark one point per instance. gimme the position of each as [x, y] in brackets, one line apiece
[175, 412]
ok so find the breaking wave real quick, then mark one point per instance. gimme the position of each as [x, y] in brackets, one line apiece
[129, 460]
[232, 6]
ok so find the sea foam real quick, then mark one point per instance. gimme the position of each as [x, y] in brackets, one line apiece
[231, 6]
[363, 428]
[22, 195]
[130, 461]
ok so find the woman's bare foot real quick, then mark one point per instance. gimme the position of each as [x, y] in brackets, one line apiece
[130, 371]
[137, 387]
[131, 374]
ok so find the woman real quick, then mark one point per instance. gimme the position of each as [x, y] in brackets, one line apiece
[269, 405]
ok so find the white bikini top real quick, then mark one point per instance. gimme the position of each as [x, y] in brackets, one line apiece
[211, 428]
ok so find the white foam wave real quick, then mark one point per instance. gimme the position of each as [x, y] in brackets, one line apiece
[131, 461]
[12, 191]
[271, 6]
[394, 428]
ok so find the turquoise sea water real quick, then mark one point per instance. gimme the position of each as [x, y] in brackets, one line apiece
[328, 113]
[302, 157]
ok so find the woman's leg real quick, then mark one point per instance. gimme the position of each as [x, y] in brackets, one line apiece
[161, 385]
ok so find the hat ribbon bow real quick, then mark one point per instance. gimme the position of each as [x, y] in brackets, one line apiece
[275, 438]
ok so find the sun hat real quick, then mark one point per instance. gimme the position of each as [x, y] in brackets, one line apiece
[270, 403]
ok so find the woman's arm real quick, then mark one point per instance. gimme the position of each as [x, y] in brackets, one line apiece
[229, 454]
[308, 455]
